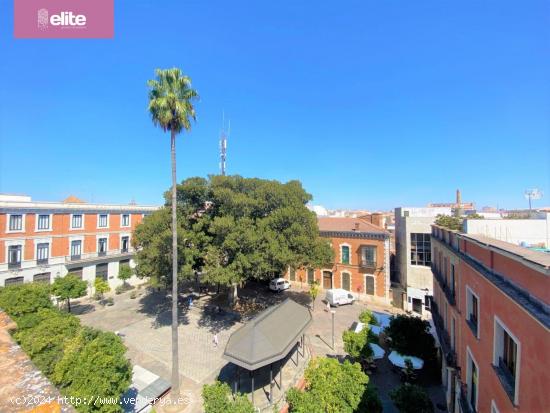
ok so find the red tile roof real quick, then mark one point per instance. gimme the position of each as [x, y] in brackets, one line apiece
[347, 225]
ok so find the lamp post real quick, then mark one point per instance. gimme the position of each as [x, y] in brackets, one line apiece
[332, 312]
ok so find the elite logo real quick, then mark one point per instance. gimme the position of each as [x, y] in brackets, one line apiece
[92, 19]
[66, 19]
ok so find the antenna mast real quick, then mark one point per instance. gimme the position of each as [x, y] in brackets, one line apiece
[223, 144]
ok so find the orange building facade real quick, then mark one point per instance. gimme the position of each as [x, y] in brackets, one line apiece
[40, 241]
[492, 315]
[361, 259]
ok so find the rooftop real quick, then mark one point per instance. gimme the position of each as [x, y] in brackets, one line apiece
[269, 336]
[329, 224]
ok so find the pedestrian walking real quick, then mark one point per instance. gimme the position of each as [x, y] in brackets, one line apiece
[215, 340]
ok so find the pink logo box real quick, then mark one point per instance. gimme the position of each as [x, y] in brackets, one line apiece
[63, 19]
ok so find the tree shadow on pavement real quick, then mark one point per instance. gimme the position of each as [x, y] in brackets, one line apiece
[158, 305]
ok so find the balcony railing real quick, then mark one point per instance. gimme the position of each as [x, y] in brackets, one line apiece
[123, 250]
[102, 253]
[14, 265]
[444, 338]
[465, 405]
[42, 261]
[98, 255]
[447, 289]
[506, 378]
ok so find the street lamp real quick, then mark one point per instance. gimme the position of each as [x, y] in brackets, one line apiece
[332, 312]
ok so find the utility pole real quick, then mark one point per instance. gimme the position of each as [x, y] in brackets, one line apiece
[333, 313]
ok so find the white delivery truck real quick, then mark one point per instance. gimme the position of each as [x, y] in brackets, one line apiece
[338, 296]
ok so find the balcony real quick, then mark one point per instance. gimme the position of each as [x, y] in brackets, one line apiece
[444, 338]
[14, 265]
[367, 266]
[447, 289]
[76, 257]
[506, 378]
[99, 256]
[465, 405]
[42, 261]
[102, 253]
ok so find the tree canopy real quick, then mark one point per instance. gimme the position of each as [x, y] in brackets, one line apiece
[217, 398]
[21, 299]
[410, 398]
[411, 335]
[449, 222]
[232, 229]
[69, 287]
[331, 387]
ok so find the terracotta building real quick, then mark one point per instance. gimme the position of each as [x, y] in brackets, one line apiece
[43, 240]
[491, 310]
[361, 265]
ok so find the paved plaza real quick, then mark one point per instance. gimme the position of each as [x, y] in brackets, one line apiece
[144, 325]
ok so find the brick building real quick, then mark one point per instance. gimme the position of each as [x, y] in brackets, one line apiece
[361, 252]
[492, 316]
[43, 240]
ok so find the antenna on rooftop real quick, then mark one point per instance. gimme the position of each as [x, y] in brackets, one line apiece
[223, 144]
[532, 194]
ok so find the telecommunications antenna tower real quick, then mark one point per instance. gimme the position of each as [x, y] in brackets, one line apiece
[223, 143]
[532, 194]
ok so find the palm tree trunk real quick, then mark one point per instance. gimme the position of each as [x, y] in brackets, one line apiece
[175, 356]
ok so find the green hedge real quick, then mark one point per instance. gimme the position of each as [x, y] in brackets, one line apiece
[83, 362]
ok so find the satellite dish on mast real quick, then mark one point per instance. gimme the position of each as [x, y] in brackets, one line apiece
[532, 194]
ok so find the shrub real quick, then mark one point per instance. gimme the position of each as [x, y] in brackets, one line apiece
[21, 299]
[217, 398]
[370, 401]
[124, 272]
[101, 287]
[330, 387]
[44, 342]
[410, 398]
[133, 295]
[411, 336]
[449, 222]
[367, 317]
[94, 363]
[119, 289]
[357, 344]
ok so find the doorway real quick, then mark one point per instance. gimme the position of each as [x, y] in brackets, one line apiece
[417, 305]
[327, 280]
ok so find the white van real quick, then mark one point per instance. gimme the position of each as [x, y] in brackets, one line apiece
[338, 296]
[279, 284]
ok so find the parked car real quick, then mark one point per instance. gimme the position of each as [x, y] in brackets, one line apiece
[279, 284]
[338, 296]
[357, 327]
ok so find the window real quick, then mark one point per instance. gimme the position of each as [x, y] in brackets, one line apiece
[125, 220]
[368, 256]
[101, 271]
[76, 221]
[43, 222]
[13, 281]
[102, 221]
[345, 254]
[292, 273]
[472, 380]
[14, 256]
[421, 253]
[310, 275]
[44, 277]
[77, 272]
[16, 223]
[102, 246]
[472, 315]
[346, 281]
[453, 333]
[124, 244]
[505, 359]
[369, 285]
[452, 280]
[76, 249]
[42, 253]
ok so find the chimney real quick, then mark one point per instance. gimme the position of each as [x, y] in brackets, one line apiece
[356, 226]
[377, 219]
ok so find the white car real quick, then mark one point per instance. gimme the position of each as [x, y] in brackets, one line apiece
[279, 284]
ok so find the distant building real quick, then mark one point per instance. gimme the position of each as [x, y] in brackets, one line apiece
[531, 232]
[491, 310]
[361, 259]
[413, 256]
[43, 240]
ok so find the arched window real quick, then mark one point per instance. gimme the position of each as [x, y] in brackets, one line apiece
[346, 281]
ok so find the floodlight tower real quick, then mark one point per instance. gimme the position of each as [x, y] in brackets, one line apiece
[532, 194]
[223, 144]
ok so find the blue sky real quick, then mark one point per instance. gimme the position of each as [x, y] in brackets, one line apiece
[371, 104]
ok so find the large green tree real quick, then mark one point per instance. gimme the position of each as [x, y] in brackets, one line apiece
[22, 299]
[233, 229]
[171, 98]
[69, 287]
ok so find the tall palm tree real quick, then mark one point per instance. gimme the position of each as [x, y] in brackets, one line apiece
[171, 107]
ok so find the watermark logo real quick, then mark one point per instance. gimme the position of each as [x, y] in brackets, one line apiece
[43, 18]
[63, 18]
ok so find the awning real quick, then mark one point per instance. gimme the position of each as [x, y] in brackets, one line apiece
[269, 336]
[398, 360]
